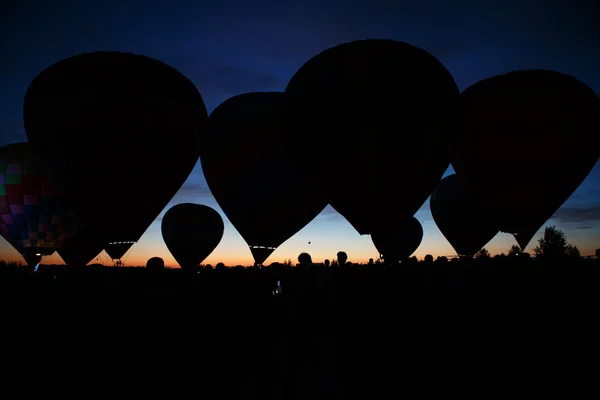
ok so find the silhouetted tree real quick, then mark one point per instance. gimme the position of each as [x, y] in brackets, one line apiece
[598, 253]
[288, 263]
[482, 253]
[573, 251]
[553, 244]
[514, 250]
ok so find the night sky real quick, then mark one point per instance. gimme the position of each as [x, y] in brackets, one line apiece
[228, 48]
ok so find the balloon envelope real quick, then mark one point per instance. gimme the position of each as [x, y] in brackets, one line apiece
[460, 217]
[264, 193]
[82, 248]
[375, 117]
[36, 220]
[191, 232]
[400, 244]
[529, 139]
[116, 250]
[120, 131]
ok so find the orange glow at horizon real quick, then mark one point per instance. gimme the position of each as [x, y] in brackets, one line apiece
[327, 235]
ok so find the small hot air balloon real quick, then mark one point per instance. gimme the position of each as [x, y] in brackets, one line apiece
[529, 138]
[191, 232]
[116, 250]
[36, 220]
[460, 216]
[260, 189]
[123, 121]
[398, 245]
[370, 118]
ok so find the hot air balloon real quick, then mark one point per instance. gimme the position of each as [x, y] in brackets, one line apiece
[122, 122]
[82, 248]
[460, 216]
[191, 232]
[260, 189]
[376, 117]
[399, 245]
[529, 139]
[116, 250]
[36, 220]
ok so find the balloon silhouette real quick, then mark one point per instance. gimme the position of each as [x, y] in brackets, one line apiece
[399, 246]
[191, 232]
[82, 248]
[35, 218]
[529, 139]
[121, 121]
[116, 250]
[375, 117]
[460, 217]
[260, 189]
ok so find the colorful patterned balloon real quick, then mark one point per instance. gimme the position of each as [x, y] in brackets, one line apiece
[34, 217]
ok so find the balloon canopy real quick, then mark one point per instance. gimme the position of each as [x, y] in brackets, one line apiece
[35, 218]
[121, 122]
[82, 248]
[400, 244]
[529, 139]
[371, 119]
[460, 216]
[191, 232]
[261, 190]
[116, 250]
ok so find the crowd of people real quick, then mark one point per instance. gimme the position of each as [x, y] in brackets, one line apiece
[504, 327]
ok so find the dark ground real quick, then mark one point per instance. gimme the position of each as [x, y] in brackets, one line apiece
[497, 329]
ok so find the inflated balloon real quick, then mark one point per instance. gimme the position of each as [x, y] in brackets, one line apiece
[375, 118]
[529, 139]
[82, 248]
[191, 232]
[121, 131]
[460, 217]
[36, 220]
[399, 245]
[260, 189]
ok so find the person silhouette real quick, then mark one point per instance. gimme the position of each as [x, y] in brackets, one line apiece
[342, 258]
[304, 259]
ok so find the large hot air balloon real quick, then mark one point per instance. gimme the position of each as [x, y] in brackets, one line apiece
[529, 139]
[375, 118]
[260, 189]
[81, 248]
[398, 245]
[36, 221]
[121, 131]
[191, 232]
[460, 217]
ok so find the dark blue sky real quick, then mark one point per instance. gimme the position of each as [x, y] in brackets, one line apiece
[227, 48]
